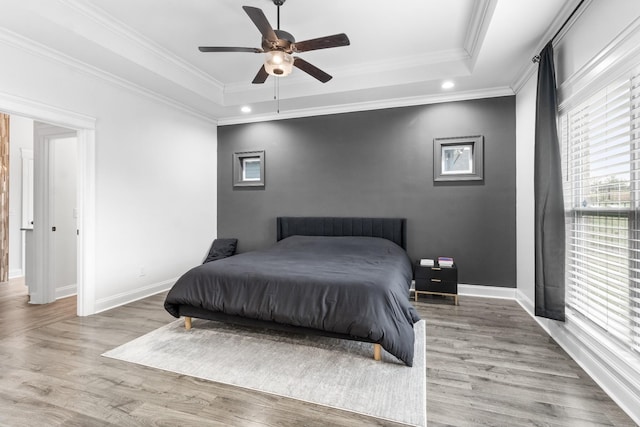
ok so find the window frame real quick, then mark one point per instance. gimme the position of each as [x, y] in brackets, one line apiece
[629, 341]
[240, 179]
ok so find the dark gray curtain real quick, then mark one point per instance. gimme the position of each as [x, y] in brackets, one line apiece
[549, 203]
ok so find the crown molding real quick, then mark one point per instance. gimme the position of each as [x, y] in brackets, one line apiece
[478, 26]
[27, 45]
[373, 105]
[523, 77]
[139, 49]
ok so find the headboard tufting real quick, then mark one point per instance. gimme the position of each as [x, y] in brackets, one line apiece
[393, 229]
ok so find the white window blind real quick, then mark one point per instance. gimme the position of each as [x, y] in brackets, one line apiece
[601, 166]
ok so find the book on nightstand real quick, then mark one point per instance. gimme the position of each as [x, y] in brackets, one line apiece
[444, 261]
[426, 262]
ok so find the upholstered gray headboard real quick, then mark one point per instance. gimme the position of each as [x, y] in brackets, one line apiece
[394, 229]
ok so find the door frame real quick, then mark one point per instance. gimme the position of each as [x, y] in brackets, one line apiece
[85, 127]
[43, 212]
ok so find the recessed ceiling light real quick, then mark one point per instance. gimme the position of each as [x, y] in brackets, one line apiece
[448, 84]
[246, 109]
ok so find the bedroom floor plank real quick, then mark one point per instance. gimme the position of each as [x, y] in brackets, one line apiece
[488, 363]
[491, 361]
[14, 303]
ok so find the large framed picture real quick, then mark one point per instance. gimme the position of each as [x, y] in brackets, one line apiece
[248, 169]
[458, 158]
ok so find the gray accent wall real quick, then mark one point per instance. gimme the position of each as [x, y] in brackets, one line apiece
[380, 164]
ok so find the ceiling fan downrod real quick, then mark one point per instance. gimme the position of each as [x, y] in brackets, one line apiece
[278, 3]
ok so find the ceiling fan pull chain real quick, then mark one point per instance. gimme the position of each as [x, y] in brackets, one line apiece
[277, 96]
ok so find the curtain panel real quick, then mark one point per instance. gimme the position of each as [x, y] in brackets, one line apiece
[549, 202]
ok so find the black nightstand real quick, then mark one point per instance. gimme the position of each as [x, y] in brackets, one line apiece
[436, 281]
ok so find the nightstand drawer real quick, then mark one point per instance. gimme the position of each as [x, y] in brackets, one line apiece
[445, 274]
[436, 285]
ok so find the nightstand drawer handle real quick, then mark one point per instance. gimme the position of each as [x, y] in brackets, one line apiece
[436, 268]
[436, 280]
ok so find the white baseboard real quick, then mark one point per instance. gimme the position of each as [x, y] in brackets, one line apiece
[131, 296]
[486, 291]
[14, 274]
[66, 291]
[618, 378]
[525, 303]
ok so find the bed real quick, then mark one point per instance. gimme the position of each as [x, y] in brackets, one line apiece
[341, 277]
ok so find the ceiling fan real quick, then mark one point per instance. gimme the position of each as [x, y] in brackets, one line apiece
[279, 47]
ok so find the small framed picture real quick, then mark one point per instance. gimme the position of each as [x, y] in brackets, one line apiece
[458, 159]
[248, 169]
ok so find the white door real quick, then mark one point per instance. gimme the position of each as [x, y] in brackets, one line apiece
[64, 190]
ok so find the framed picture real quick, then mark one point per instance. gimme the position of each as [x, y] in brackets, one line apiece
[248, 169]
[458, 159]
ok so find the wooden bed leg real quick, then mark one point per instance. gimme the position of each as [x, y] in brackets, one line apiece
[377, 352]
[187, 323]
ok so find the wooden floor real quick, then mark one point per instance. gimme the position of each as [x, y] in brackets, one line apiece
[488, 364]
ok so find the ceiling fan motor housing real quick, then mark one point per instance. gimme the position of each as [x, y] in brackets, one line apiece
[284, 42]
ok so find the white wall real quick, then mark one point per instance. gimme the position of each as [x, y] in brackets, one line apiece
[155, 188]
[599, 27]
[525, 205]
[20, 136]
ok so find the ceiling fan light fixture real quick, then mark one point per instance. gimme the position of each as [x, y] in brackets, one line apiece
[279, 45]
[278, 63]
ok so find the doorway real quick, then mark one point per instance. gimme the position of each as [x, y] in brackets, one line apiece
[55, 214]
[84, 127]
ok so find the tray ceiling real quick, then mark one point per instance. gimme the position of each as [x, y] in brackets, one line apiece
[400, 52]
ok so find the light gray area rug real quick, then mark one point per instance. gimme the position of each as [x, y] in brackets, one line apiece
[325, 371]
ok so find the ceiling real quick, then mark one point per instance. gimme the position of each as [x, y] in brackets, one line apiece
[400, 52]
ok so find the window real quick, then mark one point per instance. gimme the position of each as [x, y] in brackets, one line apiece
[248, 169]
[601, 168]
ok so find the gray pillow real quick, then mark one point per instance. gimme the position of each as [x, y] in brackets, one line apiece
[221, 248]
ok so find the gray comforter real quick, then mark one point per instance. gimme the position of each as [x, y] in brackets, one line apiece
[349, 285]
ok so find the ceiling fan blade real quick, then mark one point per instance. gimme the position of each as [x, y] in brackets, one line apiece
[335, 40]
[312, 70]
[260, 21]
[229, 49]
[261, 77]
